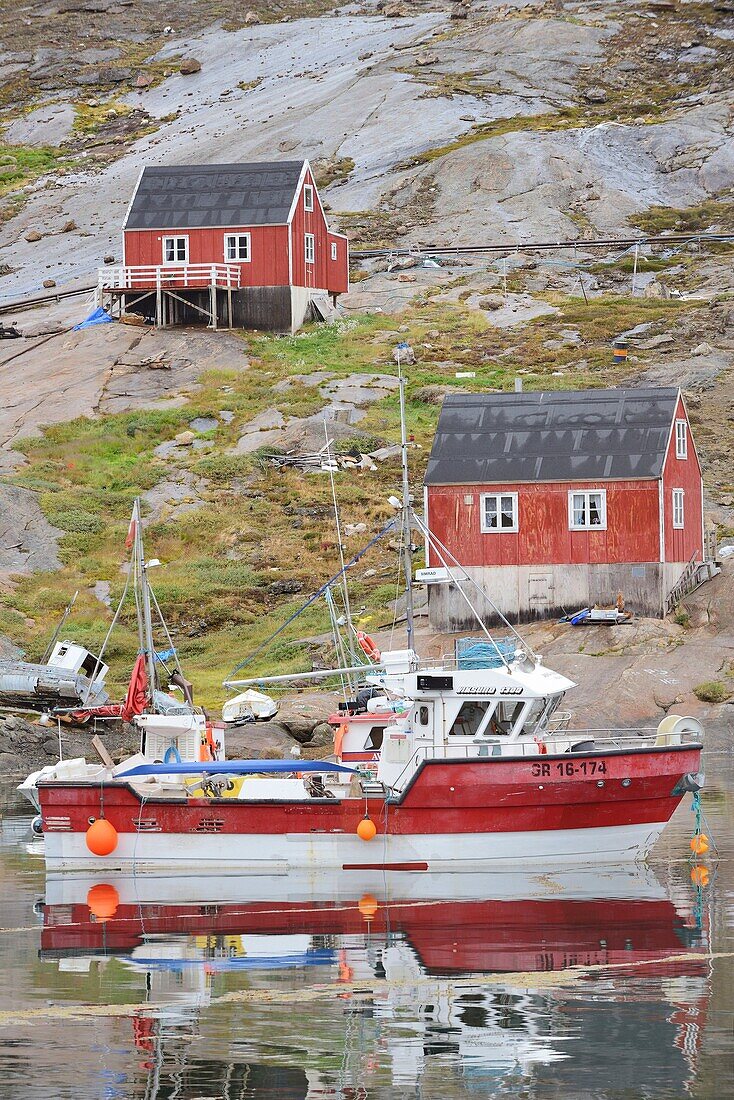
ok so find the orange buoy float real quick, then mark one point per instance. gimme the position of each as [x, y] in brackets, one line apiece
[366, 830]
[101, 837]
[368, 646]
[699, 844]
[103, 900]
[368, 906]
[700, 876]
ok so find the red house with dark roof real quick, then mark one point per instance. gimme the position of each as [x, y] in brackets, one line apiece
[235, 244]
[556, 501]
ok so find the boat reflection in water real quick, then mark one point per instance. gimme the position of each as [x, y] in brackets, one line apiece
[392, 983]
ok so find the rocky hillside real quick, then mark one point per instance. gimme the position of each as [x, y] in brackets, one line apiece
[428, 122]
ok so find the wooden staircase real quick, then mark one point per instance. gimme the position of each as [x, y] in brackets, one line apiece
[693, 576]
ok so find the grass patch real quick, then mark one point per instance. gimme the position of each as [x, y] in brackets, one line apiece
[713, 691]
[693, 219]
[21, 165]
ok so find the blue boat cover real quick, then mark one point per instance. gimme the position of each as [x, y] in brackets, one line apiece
[98, 317]
[234, 767]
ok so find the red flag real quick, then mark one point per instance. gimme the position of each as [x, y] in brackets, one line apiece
[137, 692]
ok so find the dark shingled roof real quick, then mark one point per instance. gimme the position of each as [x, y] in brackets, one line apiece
[567, 435]
[191, 196]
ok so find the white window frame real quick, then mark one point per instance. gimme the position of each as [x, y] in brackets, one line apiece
[678, 497]
[486, 529]
[681, 439]
[309, 248]
[248, 248]
[334, 251]
[587, 494]
[307, 196]
[178, 237]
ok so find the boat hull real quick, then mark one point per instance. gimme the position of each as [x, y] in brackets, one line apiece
[456, 814]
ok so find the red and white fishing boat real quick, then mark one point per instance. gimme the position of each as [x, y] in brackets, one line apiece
[475, 771]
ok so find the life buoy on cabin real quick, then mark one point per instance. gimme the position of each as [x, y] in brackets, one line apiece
[368, 646]
[339, 734]
[542, 747]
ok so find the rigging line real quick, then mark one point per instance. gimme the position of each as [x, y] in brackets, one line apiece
[464, 596]
[312, 599]
[338, 642]
[397, 597]
[337, 524]
[434, 538]
[115, 617]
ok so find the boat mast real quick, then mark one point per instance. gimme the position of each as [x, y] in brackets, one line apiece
[407, 512]
[145, 621]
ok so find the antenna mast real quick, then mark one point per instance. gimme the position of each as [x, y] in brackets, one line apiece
[407, 511]
[146, 627]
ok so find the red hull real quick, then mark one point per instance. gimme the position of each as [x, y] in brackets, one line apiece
[537, 794]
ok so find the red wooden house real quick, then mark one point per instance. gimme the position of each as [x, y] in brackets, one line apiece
[239, 244]
[555, 501]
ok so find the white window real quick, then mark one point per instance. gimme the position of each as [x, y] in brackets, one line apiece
[499, 512]
[681, 439]
[334, 252]
[308, 197]
[587, 509]
[310, 247]
[175, 250]
[237, 247]
[678, 508]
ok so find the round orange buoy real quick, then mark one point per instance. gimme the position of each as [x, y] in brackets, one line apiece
[103, 900]
[368, 646]
[101, 837]
[699, 844]
[366, 829]
[700, 876]
[368, 906]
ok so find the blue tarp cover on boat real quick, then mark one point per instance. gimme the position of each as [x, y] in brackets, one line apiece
[235, 767]
[98, 317]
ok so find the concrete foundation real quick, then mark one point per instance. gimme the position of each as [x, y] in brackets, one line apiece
[546, 591]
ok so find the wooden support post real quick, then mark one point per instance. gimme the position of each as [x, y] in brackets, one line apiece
[213, 301]
[229, 303]
[158, 299]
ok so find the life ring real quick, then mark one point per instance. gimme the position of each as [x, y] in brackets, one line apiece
[542, 747]
[368, 646]
[339, 734]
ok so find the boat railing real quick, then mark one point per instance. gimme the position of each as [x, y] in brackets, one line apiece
[591, 740]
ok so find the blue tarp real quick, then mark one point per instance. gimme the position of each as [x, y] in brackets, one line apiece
[99, 317]
[235, 767]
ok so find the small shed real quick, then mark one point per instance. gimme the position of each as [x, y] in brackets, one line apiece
[556, 501]
[245, 245]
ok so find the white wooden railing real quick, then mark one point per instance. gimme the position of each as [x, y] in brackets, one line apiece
[163, 276]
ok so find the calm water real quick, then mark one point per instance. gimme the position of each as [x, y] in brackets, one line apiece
[615, 984]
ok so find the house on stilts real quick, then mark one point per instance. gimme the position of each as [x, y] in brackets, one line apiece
[228, 245]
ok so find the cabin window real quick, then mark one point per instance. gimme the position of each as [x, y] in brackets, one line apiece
[587, 509]
[678, 508]
[504, 718]
[310, 247]
[334, 251]
[681, 439]
[237, 247]
[468, 719]
[423, 715]
[374, 740]
[308, 197]
[499, 512]
[175, 250]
